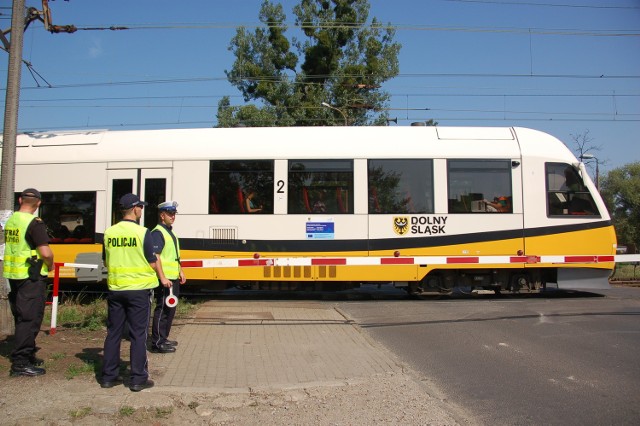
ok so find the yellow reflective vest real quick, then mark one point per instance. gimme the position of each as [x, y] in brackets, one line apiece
[127, 267]
[170, 256]
[17, 251]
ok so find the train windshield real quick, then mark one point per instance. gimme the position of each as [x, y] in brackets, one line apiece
[567, 194]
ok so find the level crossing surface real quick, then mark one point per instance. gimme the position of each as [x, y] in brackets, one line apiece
[236, 345]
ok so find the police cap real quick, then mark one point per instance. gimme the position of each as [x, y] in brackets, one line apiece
[129, 201]
[32, 193]
[168, 206]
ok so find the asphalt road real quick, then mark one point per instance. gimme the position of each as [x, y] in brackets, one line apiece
[560, 359]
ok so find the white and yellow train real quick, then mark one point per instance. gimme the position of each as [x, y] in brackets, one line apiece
[427, 208]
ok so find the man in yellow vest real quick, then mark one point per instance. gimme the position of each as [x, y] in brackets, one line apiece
[167, 249]
[132, 274]
[27, 262]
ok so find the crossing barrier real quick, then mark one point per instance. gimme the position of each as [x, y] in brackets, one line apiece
[257, 260]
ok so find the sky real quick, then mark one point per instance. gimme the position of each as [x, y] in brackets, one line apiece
[570, 68]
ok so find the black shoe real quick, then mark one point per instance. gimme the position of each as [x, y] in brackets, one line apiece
[171, 342]
[162, 348]
[34, 360]
[146, 385]
[110, 384]
[26, 370]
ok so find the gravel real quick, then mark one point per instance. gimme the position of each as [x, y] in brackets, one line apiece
[391, 399]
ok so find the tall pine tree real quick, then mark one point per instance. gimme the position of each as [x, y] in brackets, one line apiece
[340, 58]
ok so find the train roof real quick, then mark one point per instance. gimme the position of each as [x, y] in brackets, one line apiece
[286, 143]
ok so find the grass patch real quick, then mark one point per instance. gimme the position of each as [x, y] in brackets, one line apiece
[186, 308]
[626, 272]
[127, 411]
[163, 412]
[80, 413]
[77, 312]
[75, 370]
[58, 355]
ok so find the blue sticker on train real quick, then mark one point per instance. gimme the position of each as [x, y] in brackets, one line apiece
[320, 231]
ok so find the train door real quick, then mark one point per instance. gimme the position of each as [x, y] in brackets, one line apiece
[151, 185]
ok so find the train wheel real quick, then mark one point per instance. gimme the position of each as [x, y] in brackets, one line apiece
[520, 282]
[432, 285]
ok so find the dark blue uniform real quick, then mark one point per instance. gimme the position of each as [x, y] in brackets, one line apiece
[130, 307]
[162, 314]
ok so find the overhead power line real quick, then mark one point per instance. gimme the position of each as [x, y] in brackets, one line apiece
[541, 4]
[465, 110]
[429, 95]
[407, 119]
[389, 26]
[339, 76]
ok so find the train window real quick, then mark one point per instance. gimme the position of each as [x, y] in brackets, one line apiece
[155, 192]
[320, 186]
[70, 216]
[479, 186]
[230, 182]
[400, 186]
[120, 187]
[566, 193]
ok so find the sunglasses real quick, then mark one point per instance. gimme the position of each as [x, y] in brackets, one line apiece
[140, 205]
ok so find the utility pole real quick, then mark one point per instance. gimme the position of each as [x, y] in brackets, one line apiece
[10, 132]
[19, 22]
[597, 161]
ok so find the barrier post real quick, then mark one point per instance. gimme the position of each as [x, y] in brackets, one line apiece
[56, 289]
[54, 300]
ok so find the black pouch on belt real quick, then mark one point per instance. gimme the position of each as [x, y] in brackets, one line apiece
[35, 266]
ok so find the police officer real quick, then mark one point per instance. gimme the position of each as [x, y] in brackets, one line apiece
[167, 248]
[27, 261]
[132, 273]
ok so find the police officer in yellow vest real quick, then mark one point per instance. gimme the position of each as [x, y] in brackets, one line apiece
[167, 248]
[132, 274]
[27, 261]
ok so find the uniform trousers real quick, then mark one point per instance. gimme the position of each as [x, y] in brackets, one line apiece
[162, 314]
[27, 299]
[131, 307]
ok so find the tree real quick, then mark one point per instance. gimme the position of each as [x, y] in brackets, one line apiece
[342, 61]
[583, 143]
[584, 149]
[620, 189]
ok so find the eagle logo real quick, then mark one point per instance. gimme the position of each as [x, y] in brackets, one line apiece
[401, 225]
